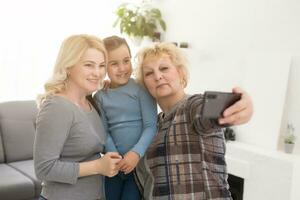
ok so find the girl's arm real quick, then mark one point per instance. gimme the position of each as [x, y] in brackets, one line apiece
[149, 117]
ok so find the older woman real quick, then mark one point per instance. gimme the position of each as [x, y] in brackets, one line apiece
[69, 135]
[186, 159]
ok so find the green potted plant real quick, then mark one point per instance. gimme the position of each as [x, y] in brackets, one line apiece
[289, 139]
[140, 21]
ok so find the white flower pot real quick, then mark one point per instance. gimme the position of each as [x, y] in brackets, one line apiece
[137, 41]
[288, 148]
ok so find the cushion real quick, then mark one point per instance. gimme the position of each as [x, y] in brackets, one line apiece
[19, 110]
[1, 149]
[14, 185]
[27, 168]
[18, 138]
[17, 128]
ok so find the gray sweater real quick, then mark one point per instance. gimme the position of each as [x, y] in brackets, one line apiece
[65, 136]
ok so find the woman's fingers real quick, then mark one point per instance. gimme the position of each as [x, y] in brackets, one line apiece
[111, 160]
[240, 112]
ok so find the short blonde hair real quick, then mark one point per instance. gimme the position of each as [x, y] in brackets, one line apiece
[70, 53]
[158, 50]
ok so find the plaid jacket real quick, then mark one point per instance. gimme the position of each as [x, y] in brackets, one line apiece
[186, 159]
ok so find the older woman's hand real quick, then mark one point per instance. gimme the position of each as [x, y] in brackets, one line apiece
[240, 112]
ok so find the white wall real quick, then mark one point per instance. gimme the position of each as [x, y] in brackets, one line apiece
[292, 105]
[31, 34]
[247, 43]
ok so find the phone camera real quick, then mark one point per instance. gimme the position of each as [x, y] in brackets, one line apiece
[211, 96]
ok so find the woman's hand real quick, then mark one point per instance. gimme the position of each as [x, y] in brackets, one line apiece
[106, 84]
[107, 165]
[240, 112]
[129, 162]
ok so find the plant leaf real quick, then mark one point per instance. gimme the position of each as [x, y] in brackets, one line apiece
[163, 25]
[116, 22]
[139, 21]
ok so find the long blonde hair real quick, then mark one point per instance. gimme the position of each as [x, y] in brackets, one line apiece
[70, 53]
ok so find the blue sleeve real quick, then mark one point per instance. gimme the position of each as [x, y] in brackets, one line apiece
[109, 144]
[149, 116]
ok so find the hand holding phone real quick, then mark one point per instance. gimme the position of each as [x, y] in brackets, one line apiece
[215, 103]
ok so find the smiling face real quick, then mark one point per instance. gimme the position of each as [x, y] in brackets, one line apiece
[163, 79]
[86, 75]
[119, 67]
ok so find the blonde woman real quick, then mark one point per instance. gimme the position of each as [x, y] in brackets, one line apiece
[186, 159]
[69, 133]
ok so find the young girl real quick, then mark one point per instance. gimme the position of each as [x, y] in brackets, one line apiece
[129, 114]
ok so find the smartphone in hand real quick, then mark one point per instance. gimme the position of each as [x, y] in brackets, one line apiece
[215, 103]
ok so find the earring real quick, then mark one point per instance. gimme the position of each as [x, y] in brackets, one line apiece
[182, 82]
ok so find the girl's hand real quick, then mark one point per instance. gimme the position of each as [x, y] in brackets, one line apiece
[129, 162]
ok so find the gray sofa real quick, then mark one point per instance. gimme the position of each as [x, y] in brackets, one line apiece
[17, 129]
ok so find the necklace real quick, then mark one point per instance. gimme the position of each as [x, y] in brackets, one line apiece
[83, 104]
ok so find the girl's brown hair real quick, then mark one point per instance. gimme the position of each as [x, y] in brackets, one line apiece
[113, 42]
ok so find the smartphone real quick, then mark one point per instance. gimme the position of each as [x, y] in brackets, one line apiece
[216, 102]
